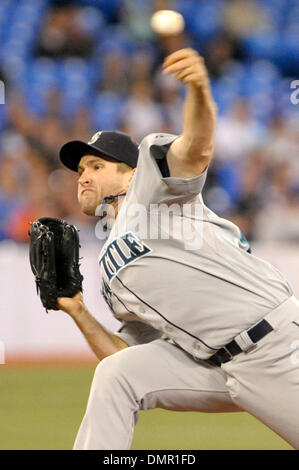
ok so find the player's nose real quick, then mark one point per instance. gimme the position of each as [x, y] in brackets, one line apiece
[85, 177]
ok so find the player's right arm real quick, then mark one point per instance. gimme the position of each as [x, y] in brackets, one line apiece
[102, 341]
[190, 154]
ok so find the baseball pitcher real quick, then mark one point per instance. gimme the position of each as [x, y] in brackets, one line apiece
[205, 325]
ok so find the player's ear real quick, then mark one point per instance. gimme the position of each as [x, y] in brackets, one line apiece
[132, 174]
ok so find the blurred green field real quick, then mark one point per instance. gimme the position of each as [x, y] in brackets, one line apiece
[42, 407]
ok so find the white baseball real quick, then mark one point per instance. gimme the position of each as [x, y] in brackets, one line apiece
[167, 22]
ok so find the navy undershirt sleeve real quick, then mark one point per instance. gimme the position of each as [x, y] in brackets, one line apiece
[159, 152]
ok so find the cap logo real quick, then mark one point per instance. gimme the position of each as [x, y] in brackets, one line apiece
[95, 137]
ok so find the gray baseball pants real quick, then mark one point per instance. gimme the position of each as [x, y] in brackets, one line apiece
[264, 381]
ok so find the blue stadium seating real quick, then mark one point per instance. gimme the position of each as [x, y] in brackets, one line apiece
[269, 54]
[106, 110]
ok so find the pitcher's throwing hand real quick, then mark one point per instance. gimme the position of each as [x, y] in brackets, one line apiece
[188, 67]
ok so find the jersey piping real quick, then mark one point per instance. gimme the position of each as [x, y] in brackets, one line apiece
[164, 318]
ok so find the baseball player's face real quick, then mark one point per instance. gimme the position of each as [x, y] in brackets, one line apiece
[99, 178]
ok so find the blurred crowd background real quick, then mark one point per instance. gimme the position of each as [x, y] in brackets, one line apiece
[71, 68]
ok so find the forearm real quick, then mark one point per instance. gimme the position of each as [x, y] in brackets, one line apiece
[102, 342]
[199, 119]
[199, 116]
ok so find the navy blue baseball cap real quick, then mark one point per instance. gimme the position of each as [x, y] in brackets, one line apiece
[112, 144]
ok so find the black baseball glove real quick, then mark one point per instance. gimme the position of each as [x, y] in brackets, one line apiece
[54, 260]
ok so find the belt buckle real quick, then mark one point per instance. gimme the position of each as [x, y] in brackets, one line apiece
[229, 353]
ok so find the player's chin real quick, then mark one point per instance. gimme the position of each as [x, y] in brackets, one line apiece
[88, 207]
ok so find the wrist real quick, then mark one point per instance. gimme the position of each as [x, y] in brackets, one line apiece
[73, 306]
[79, 311]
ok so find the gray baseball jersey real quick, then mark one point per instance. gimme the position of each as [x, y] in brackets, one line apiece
[200, 290]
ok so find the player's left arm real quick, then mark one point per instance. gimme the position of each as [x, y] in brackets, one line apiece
[190, 154]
